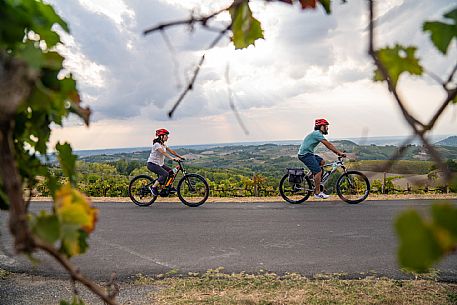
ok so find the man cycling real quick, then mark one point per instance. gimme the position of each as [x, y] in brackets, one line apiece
[312, 161]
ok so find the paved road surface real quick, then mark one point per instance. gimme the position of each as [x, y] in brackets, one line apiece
[313, 238]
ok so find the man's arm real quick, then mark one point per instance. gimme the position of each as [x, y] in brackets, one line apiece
[333, 148]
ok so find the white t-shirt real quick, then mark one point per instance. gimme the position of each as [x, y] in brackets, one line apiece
[156, 156]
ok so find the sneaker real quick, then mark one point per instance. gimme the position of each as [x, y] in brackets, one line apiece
[154, 191]
[321, 195]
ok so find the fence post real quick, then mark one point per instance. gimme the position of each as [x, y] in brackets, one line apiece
[383, 189]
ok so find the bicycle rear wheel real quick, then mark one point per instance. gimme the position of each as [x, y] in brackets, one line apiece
[295, 192]
[139, 191]
[193, 190]
[353, 187]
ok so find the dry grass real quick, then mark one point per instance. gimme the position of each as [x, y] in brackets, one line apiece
[218, 288]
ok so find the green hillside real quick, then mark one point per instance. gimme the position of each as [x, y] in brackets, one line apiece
[449, 141]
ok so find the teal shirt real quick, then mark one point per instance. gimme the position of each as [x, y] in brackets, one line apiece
[310, 142]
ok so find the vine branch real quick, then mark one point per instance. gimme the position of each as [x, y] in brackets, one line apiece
[74, 272]
[419, 128]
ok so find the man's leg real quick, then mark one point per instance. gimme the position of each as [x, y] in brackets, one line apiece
[318, 176]
[313, 163]
[317, 183]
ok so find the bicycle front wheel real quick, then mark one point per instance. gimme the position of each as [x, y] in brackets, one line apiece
[139, 191]
[295, 192]
[193, 190]
[353, 187]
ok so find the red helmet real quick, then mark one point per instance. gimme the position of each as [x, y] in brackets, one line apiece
[320, 122]
[161, 132]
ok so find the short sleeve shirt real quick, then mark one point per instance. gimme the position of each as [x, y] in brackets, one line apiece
[156, 156]
[310, 142]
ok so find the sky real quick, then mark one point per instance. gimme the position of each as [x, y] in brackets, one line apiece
[309, 65]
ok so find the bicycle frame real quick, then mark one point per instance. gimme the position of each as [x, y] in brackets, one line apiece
[335, 165]
[172, 178]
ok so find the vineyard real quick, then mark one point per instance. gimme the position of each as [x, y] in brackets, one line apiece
[255, 170]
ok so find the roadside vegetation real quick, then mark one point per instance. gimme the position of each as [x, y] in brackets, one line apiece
[215, 287]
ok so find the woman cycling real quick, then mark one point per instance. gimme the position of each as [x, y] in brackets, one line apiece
[157, 157]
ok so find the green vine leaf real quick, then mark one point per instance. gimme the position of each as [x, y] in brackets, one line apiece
[422, 242]
[326, 5]
[245, 28]
[418, 248]
[398, 60]
[442, 33]
[46, 227]
[445, 216]
[67, 160]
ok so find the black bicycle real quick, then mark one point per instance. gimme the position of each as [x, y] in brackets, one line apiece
[193, 189]
[352, 186]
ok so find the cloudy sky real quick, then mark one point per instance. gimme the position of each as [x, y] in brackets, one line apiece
[310, 65]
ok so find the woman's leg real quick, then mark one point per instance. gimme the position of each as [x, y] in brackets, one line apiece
[160, 171]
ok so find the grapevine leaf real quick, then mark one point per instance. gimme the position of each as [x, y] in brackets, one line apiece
[418, 248]
[51, 16]
[245, 28]
[77, 218]
[326, 5]
[445, 216]
[46, 227]
[398, 60]
[442, 33]
[67, 160]
[73, 207]
[308, 4]
[31, 55]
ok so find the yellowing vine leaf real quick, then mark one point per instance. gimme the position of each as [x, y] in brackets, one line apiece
[72, 207]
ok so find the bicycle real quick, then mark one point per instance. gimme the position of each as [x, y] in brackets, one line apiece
[192, 189]
[352, 186]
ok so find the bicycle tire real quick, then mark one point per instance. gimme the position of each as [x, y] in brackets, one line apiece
[197, 190]
[353, 187]
[138, 189]
[284, 190]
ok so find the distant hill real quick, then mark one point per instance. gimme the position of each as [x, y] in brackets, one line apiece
[449, 141]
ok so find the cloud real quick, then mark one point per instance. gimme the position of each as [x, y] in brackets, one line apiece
[307, 62]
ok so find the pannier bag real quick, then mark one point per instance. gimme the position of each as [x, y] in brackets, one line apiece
[296, 175]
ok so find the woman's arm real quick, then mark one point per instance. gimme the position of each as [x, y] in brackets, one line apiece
[164, 152]
[174, 152]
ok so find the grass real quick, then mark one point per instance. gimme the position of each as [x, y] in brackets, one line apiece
[215, 287]
[4, 274]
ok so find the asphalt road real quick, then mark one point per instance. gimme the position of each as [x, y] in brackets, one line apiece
[312, 238]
